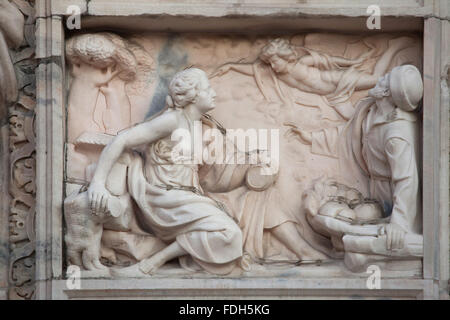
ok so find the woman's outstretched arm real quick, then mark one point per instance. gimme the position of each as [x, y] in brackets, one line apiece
[244, 68]
[144, 133]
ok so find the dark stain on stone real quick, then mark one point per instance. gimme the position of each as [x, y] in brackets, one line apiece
[171, 59]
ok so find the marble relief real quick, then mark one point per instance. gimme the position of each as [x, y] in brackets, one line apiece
[131, 208]
[380, 147]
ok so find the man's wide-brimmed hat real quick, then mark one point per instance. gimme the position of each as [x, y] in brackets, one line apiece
[406, 87]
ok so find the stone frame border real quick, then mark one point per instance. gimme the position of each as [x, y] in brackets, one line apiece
[50, 129]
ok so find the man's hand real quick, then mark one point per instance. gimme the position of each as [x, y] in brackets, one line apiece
[94, 76]
[395, 237]
[106, 90]
[304, 136]
[106, 75]
[98, 198]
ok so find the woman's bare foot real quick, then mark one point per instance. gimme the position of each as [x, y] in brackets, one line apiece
[133, 271]
[143, 269]
[288, 234]
[150, 265]
[147, 267]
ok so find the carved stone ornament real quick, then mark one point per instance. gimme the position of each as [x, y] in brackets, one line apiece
[175, 190]
[17, 103]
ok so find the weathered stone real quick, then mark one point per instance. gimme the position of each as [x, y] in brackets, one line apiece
[37, 165]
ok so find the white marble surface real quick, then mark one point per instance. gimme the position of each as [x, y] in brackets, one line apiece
[49, 207]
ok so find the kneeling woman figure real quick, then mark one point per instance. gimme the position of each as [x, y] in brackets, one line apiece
[167, 191]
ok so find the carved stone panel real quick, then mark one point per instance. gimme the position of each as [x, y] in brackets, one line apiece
[223, 149]
[298, 94]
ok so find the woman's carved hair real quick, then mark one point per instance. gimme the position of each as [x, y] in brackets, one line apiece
[279, 47]
[184, 87]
